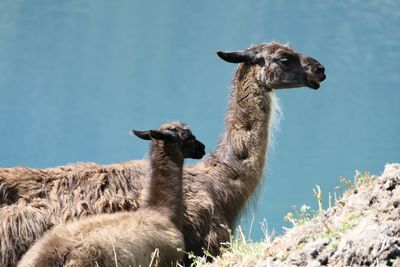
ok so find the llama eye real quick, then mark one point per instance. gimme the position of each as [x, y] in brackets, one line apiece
[284, 60]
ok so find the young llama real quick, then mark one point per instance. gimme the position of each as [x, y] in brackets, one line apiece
[214, 190]
[130, 238]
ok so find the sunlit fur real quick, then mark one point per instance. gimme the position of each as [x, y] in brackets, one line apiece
[215, 190]
[128, 237]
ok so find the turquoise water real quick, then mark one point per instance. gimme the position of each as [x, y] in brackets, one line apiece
[77, 75]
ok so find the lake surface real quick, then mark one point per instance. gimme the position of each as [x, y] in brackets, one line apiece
[77, 75]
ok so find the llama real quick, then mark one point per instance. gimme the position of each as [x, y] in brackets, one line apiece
[214, 190]
[130, 237]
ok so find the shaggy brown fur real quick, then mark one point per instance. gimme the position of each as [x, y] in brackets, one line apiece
[86, 189]
[215, 189]
[130, 237]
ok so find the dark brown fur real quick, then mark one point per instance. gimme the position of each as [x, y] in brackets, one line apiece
[215, 190]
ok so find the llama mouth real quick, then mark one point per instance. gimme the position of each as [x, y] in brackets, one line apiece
[198, 155]
[314, 82]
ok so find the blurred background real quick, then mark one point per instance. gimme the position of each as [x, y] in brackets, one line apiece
[76, 76]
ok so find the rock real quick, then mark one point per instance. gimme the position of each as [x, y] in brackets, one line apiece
[364, 231]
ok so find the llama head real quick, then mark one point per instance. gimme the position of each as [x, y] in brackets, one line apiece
[178, 134]
[278, 66]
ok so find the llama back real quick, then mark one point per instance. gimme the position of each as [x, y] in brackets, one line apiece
[51, 196]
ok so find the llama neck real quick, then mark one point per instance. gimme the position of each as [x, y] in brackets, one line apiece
[163, 186]
[240, 156]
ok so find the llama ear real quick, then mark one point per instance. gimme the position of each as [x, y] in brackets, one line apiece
[239, 56]
[145, 135]
[163, 135]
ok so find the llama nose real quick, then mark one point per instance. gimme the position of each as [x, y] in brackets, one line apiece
[203, 147]
[320, 68]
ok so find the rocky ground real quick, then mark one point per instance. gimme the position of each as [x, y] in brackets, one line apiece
[362, 229]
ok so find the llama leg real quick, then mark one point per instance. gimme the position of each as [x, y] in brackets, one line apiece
[52, 250]
[84, 255]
